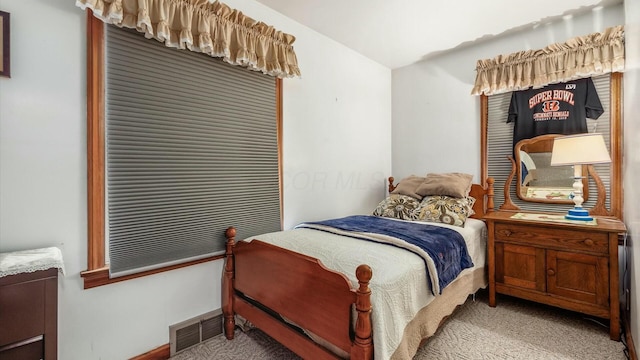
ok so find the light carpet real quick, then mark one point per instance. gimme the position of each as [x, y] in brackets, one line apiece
[515, 329]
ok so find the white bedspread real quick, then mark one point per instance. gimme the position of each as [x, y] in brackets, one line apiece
[399, 283]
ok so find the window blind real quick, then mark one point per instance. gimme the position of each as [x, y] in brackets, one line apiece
[500, 145]
[191, 149]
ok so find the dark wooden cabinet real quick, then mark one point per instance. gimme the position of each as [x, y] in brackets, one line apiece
[572, 266]
[29, 315]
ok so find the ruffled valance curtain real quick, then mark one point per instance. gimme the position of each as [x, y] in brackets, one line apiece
[211, 28]
[580, 57]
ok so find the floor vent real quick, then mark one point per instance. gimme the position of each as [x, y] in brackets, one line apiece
[195, 330]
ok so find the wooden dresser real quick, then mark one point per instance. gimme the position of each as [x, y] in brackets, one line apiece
[29, 304]
[572, 266]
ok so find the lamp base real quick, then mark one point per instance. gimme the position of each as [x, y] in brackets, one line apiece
[578, 213]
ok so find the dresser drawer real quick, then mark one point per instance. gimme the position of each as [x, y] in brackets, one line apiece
[29, 351]
[21, 311]
[554, 238]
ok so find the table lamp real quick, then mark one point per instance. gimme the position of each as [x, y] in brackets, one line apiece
[578, 150]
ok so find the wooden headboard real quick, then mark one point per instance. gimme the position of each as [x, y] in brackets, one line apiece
[482, 194]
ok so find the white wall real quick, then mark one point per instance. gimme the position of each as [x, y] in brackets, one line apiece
[436, 122]
[632, 156]
[331, 168]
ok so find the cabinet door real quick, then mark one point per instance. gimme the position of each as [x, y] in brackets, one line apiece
[578, 276]
[520, 266]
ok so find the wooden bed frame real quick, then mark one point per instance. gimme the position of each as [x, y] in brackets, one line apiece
[266, 284]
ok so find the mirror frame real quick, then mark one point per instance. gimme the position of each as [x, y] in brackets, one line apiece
[615, 141]
[542, 143]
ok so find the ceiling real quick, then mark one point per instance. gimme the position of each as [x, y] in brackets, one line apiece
[397, 33]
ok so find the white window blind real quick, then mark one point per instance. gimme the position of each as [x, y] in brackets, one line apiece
[191, 149]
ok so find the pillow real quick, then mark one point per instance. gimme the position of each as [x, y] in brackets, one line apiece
[408, 186]
[445, 209]
[456, 185]
[471, 200]
[399, 206]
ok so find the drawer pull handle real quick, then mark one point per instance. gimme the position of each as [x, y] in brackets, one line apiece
[551, 272]
[588, 242]
[507, 233]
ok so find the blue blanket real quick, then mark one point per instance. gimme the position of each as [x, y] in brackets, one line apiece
[443, 250]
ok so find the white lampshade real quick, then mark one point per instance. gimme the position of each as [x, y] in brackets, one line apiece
[579, 149]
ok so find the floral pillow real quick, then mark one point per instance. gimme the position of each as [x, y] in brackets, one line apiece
[399, 206]
[471, 200]
[445, 209]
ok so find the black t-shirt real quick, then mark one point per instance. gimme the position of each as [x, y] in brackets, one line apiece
[554, 109]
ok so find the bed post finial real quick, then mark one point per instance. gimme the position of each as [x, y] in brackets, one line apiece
[230, 234]
[391, 186]
[363, 344]
[227, 285]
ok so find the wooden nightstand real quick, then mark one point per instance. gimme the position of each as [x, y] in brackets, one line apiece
[572, 266]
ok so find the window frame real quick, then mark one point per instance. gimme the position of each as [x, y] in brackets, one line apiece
[97, 273]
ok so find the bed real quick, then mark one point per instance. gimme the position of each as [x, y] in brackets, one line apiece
[327, 295]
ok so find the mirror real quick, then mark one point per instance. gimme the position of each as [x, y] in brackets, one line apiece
[537, 180]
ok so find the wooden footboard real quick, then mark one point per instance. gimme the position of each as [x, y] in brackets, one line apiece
[301, 290]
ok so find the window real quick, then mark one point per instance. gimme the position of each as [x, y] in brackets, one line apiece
[183, 148]
[498, 140]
